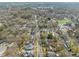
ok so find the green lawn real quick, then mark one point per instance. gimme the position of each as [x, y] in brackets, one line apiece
[63, 21]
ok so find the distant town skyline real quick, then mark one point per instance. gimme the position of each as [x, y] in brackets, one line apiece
[67, 5]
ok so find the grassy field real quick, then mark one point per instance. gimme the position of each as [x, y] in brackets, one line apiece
[63, 21]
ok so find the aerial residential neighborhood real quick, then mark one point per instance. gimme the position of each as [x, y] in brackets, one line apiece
[39, 29]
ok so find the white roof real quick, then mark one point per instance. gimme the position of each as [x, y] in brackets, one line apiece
[3, 48]
[1, 24]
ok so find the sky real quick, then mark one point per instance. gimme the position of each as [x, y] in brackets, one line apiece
[39, 0]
